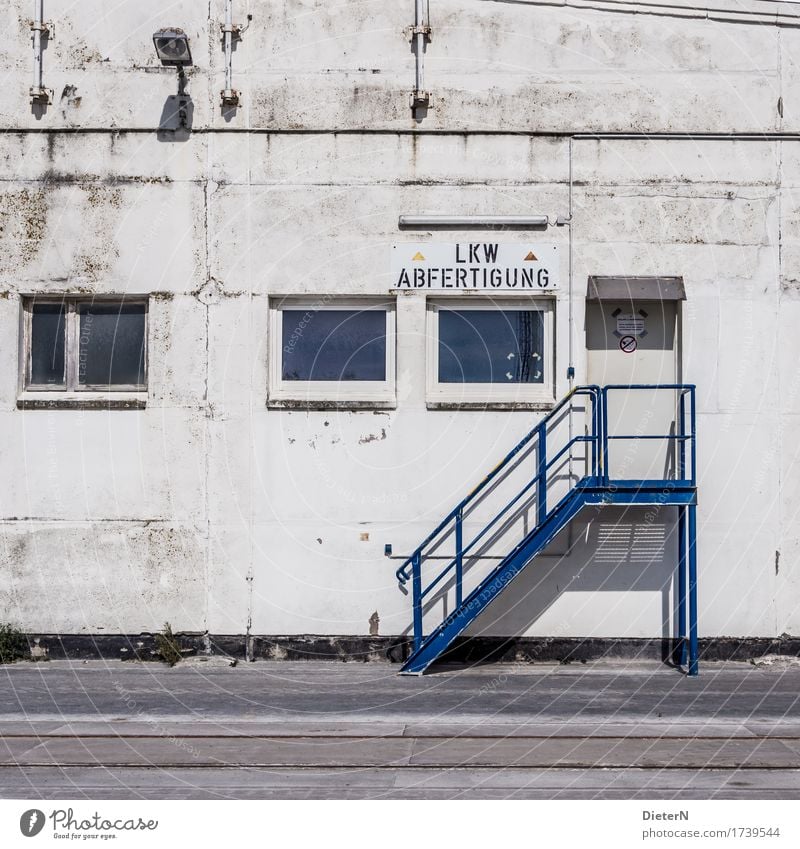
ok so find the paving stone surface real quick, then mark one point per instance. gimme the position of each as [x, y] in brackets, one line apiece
[335, 730]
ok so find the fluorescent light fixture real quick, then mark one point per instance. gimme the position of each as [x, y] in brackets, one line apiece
[172, 46]
[467, 221]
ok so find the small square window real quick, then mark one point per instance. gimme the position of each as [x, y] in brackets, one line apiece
[336, 345]
[80, 345]
[336, 351]
[111, 345]
[490, 352]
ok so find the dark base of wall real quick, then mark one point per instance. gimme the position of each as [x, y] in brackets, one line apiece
[356, 649]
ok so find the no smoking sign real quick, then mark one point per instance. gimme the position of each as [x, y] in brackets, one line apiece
[628, 344]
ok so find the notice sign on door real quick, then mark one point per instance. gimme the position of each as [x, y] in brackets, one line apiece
[492, 266]
[628, 324]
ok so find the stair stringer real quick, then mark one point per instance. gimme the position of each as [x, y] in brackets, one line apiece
[498, 580]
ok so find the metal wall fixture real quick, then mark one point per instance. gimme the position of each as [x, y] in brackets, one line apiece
[229, 96]
[473, 221]
[41, 31]
[419, 35]
[172, 48]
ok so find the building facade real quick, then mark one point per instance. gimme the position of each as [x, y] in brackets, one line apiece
[220, 399]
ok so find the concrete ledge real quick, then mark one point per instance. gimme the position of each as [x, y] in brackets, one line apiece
[395, 649]
[54, 402]
[534, 406]
[355, 406]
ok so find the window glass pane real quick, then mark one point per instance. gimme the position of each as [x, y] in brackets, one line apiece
[334, 344]
[491, 346]
[111, 344]
[47, 344]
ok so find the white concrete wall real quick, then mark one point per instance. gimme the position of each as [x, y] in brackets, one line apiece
[216, 513]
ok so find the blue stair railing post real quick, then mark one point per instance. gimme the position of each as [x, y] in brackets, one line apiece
[595, 435]
[416, 590]
[682, 440]
[593, 445]
[693, 427]
[682, 536]
[604, 433]
[459, 556]
[693, 650]
[681, 656]
[692, 541]
[541, 474]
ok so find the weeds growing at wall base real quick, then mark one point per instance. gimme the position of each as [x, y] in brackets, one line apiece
[13, 644]
[167, 645]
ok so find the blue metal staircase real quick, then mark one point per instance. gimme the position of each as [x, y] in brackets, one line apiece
[595, 487]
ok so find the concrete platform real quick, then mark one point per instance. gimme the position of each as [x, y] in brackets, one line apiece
[322, 730]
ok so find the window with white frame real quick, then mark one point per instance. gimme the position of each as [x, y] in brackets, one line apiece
[85, 345]
[332, 350]
[485, 351]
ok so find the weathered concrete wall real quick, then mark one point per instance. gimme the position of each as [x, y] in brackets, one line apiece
[216, 513]
[306, 64]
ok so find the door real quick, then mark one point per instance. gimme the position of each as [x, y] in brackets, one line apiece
[636, 342]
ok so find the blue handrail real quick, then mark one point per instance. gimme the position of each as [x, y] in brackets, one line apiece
[594, 391]
[544, 466]
[682, 437]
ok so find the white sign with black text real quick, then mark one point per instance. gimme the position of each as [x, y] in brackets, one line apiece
[490, 266]
[627, 323]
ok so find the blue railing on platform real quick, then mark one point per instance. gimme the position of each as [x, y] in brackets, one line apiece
[596, 438]
[683, 436]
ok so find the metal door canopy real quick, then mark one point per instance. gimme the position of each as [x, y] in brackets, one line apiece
[635, 289]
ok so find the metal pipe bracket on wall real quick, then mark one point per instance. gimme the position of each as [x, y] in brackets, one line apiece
[419, 35]
[229, 96]
[41, 32]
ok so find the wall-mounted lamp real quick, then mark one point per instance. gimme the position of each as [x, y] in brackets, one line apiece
[172, 47]
[467, 222]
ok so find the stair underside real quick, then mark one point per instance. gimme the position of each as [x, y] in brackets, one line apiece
[589, 491]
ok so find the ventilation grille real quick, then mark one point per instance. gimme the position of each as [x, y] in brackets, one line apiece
[628, 542]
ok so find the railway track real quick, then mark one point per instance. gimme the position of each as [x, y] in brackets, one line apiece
[61, 764]
[310, 730]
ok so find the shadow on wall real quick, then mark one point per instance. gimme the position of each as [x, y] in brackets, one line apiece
[39, 109]
[614, 550]
[175, 123]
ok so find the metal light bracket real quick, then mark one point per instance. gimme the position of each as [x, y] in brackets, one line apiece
[229, 97]
[46, 29]
[41, 95]
[420, 100]
[234, 29]
[422, 29]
